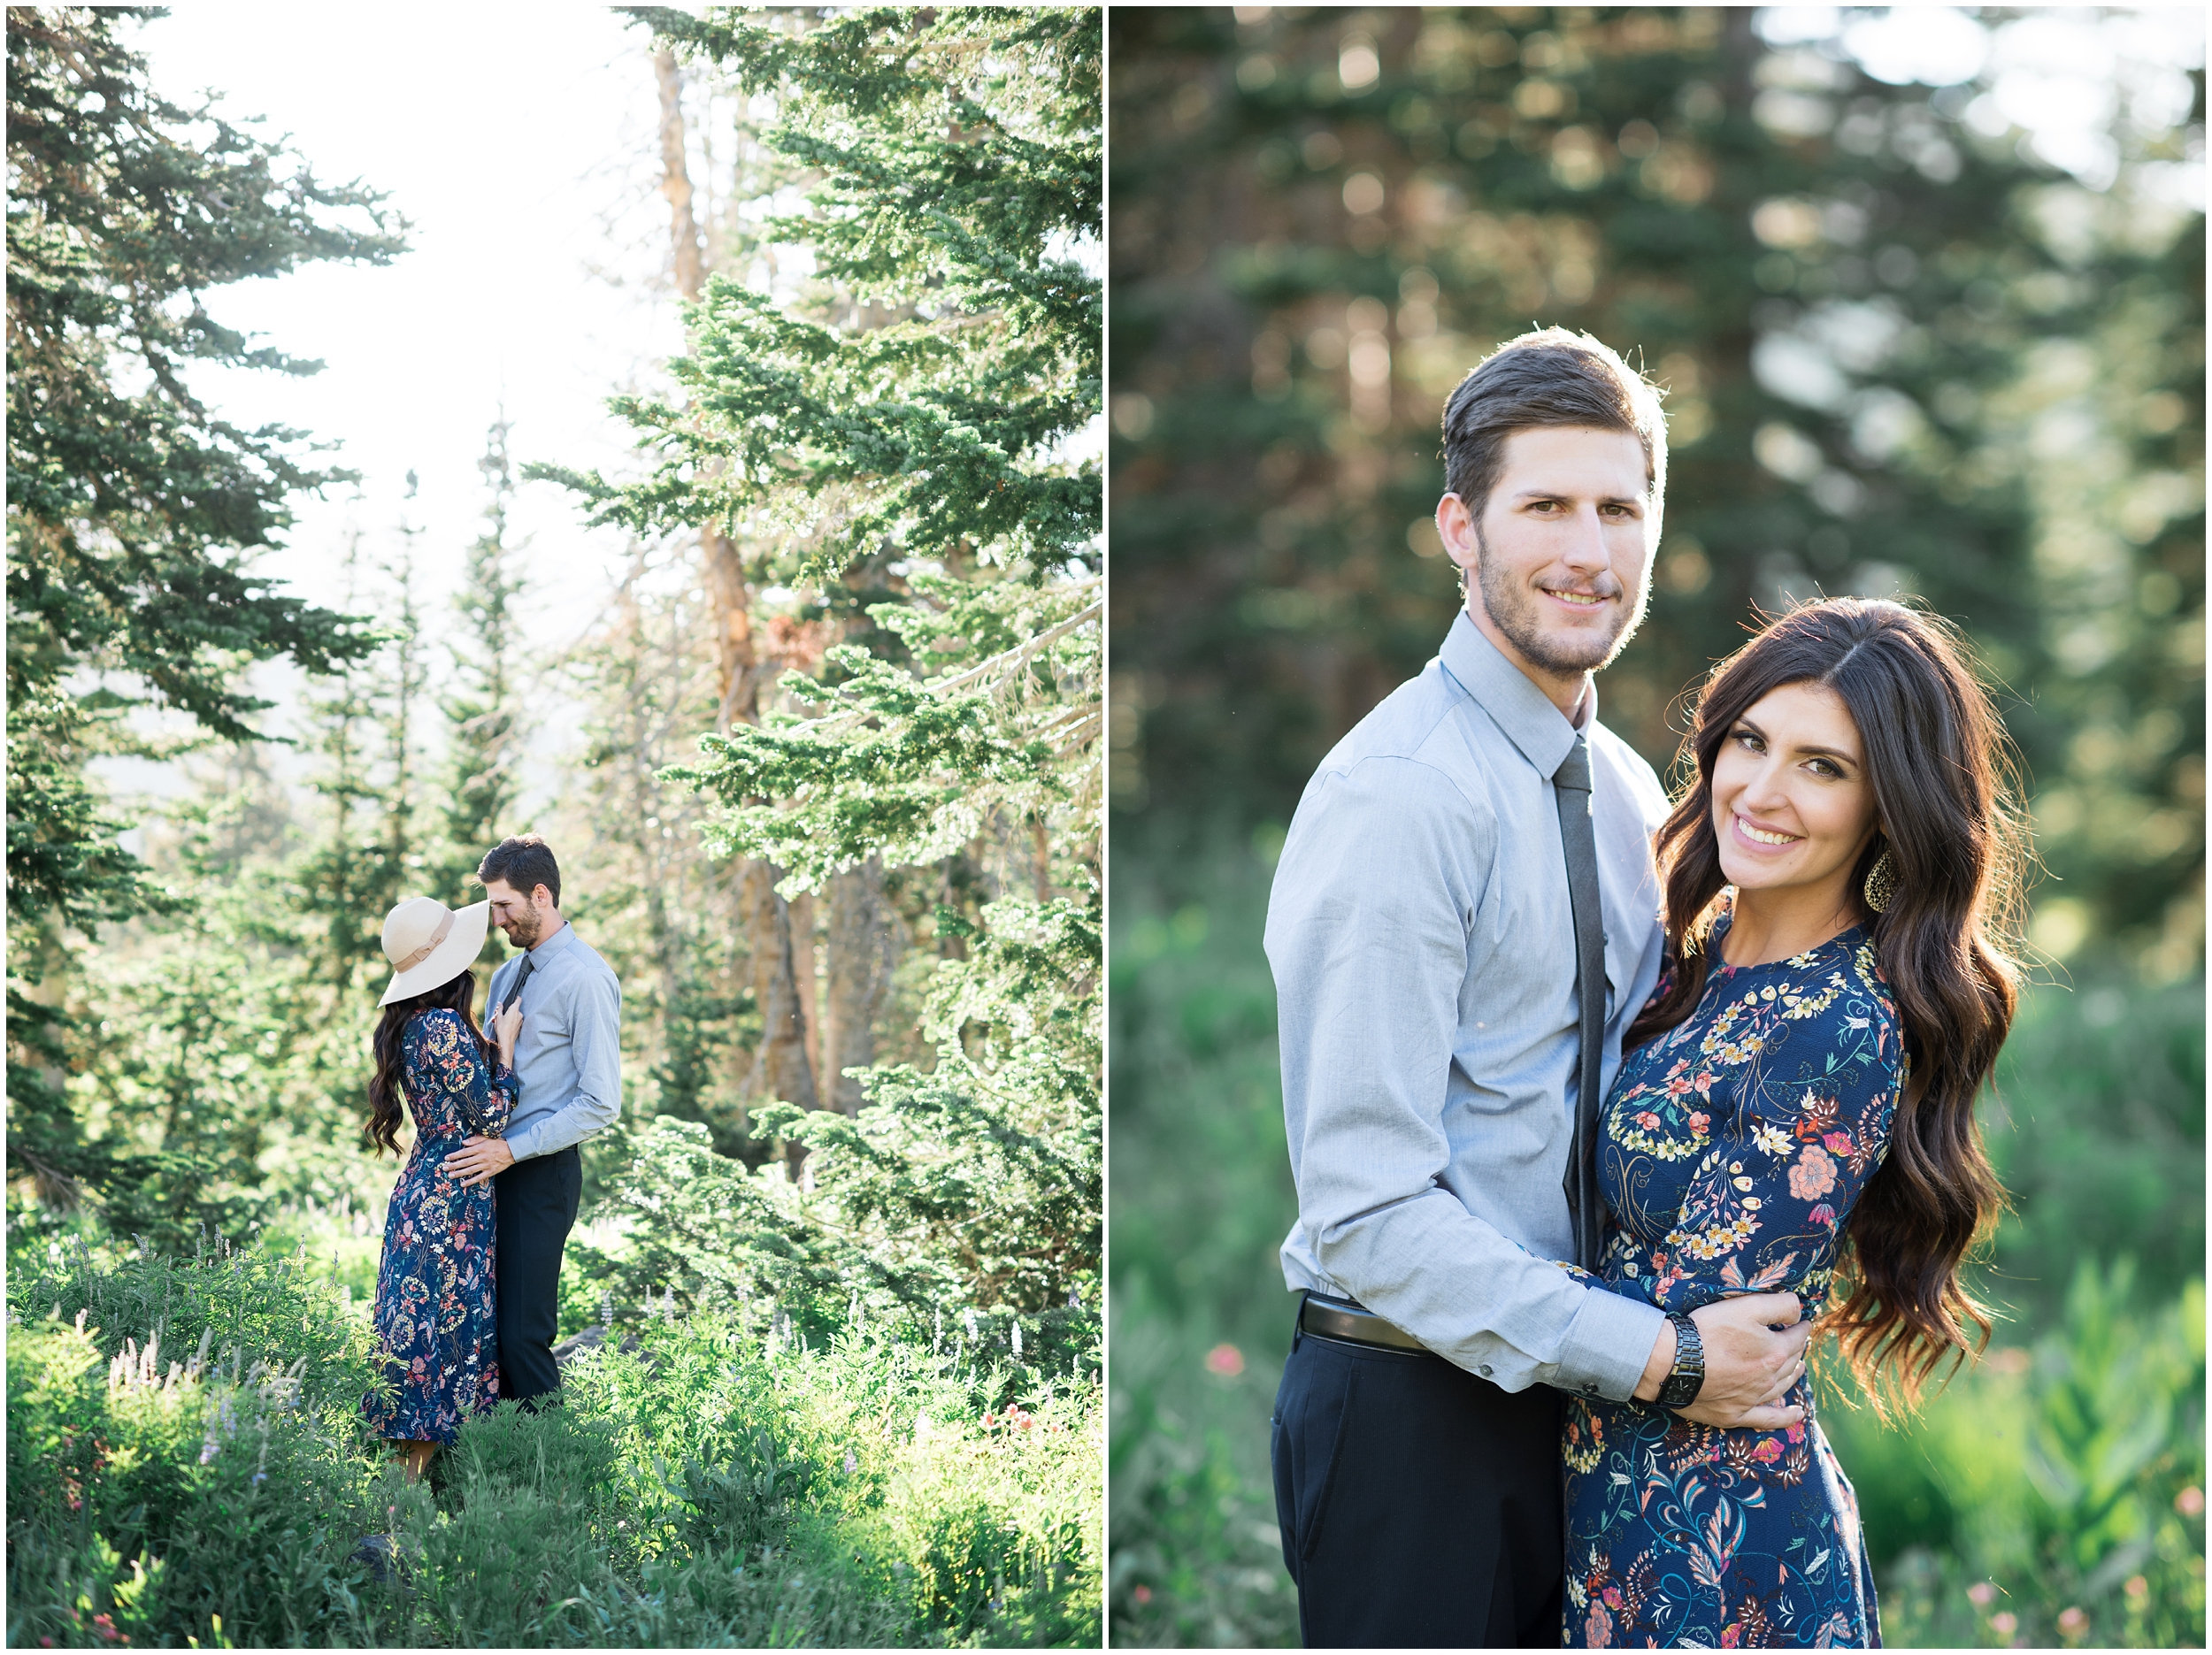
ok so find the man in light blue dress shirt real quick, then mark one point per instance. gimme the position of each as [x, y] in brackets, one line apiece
[1422, 940]
[569, 1060]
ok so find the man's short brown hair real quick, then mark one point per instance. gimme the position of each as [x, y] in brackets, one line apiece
[1549, 376]
[525, 863]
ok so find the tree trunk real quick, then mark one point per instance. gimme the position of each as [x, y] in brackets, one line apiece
[806, 977]
[781, 1071]
[781, 1067]
[859, 973]
[676, 177]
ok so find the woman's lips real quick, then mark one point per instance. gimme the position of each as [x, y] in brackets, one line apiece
[1760, 839]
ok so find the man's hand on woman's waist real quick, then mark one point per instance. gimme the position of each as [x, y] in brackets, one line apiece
[1755, 1351]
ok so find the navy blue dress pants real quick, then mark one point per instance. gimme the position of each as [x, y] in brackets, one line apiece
[1419, 1505]
[534, 1211]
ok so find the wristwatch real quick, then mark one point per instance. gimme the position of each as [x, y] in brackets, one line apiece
[1686, 1377]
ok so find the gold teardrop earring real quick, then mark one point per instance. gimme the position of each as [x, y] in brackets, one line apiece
[1881, 883]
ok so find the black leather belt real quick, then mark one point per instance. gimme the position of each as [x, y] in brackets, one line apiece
[1343, 1319]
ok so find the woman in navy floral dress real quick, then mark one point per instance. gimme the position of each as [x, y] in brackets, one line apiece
[1782, 1122]
[435, 1315]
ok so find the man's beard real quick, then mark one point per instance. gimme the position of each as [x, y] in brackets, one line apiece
[1513, 609]
[522, 931]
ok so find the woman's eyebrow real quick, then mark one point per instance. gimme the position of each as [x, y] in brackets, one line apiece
[1805, 750]
[1828, 752]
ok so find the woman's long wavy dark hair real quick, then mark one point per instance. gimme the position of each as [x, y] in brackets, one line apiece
[1945, 787]
[386, 1102]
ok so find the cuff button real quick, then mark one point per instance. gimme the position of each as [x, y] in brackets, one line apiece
[1484, 1370]
[1590, 1387]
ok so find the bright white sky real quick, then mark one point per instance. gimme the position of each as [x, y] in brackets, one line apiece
[522, 142]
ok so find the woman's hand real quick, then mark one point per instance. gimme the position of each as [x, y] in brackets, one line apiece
[505, 1026]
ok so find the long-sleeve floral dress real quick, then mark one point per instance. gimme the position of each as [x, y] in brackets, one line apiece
[1733, 1147]
[436, 1328]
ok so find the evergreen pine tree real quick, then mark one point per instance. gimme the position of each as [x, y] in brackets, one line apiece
[954, 159]
[133, 510]
[485, 727]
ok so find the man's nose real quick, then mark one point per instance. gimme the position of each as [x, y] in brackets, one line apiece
[1586, 546]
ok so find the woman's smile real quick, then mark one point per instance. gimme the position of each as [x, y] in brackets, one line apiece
[1762, 838]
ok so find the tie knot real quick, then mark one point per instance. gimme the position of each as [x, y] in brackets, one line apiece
[1574, 771]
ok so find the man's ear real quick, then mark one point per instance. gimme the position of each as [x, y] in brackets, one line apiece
[537, 889]
[1456, 527]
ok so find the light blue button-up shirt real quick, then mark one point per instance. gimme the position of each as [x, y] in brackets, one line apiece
[1422, 936]
[569, 1054]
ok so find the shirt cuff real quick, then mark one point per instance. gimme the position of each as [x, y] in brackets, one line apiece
[1607, 1345]
[522, 1146]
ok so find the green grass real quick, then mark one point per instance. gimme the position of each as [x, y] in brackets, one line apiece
[712, 1488]
[2063, 1473]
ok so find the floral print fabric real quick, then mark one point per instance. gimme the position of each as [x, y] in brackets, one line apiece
[435, 1327]
[1732, 1148]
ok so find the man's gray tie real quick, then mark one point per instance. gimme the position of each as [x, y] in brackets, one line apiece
[521, 977]
[1578, 833]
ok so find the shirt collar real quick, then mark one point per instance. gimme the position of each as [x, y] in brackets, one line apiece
[554, 944]
[1528, 716]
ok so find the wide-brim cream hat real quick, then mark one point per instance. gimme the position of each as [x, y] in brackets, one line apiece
[429, 943]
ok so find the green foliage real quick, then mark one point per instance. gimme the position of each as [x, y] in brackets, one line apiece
[2098, 1134]
[133, 510]
[2062, 1479]
[972, 1188]
[956, 155]
[484, 720]
[1902, 352]
[2065, 1472]
[910, 768]
[707, 1488]
[127, 506]
[908, 407]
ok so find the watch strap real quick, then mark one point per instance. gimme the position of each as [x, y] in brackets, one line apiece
[1686, 1377]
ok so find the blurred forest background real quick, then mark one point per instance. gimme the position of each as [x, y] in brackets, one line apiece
[834, 818]
[1925, 291]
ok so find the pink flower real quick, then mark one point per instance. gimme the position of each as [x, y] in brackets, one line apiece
[1796, 1433]
[1598, 1629]
[1225, 1360]
[1981, 1594]
[1732, 1635]
[1767, 1451]
[1698, 1122]
[2004, 1624]
[1838, 1143]
[1645, 1119]
[2073, 1622]
[1612, 1596]
[1813, 1175]
[1821, 1214]
[2190, 1501]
